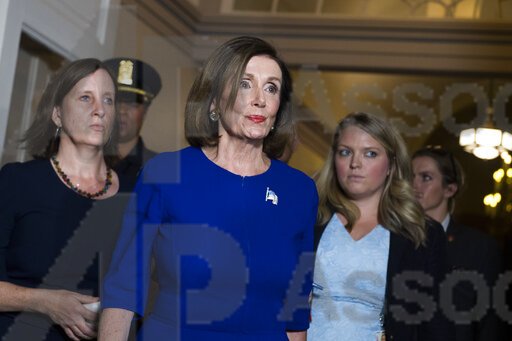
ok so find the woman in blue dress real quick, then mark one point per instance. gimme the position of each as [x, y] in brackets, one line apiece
[229, 226]
[379, 261]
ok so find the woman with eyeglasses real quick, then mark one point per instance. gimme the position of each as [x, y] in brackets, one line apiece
[438, 178]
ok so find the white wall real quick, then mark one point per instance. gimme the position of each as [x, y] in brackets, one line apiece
[72, 28]
[11, 19]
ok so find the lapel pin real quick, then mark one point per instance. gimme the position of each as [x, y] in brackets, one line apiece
[270, 195]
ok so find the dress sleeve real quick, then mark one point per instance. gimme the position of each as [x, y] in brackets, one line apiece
[7, 213]
[127, 281]
[301, 317]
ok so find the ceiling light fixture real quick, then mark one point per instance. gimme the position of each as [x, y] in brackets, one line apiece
[486, 142]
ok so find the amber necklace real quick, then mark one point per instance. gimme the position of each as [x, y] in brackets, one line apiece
[108, 181]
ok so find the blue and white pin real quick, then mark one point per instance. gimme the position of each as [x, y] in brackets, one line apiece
[270, 195]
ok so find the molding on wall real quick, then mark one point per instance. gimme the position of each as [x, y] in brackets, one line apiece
[79, 28]
[406, 46]
[420, 45]
[174, 20]
[312, 135]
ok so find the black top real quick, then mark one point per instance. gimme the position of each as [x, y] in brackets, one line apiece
[477, 255]
[50, 237]
[128, 168]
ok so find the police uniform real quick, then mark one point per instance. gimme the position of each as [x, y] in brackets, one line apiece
[137, 82]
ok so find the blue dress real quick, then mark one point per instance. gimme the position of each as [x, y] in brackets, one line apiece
[233, 254]
[349, 284]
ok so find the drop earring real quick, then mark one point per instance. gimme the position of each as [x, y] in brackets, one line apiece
[214, 116]
[57, 132]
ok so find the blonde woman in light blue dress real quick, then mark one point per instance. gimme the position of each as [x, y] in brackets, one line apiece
[371, 229]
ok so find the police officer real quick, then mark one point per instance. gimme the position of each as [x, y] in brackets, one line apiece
[138, 84]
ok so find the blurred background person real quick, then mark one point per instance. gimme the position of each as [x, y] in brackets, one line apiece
[228, 182]
[438, 178]
[138, 85]
[44, 201]
[370, 231]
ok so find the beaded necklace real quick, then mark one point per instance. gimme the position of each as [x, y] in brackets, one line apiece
[108, 181]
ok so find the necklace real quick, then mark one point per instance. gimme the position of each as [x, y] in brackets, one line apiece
[108, 181]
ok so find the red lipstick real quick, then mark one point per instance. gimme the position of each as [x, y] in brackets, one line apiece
[257, 118]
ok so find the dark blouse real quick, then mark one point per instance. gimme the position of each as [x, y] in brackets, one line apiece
[50, 238]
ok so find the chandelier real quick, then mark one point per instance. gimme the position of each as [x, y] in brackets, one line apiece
[486, 142]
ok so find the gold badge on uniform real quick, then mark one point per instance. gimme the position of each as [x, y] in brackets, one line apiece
[125, 72]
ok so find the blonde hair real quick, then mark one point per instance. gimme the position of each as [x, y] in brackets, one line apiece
[398, 210]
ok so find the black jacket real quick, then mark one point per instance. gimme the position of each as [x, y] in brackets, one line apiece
[128, 168]
[470, 250]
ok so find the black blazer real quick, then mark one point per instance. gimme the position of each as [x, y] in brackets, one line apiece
[417, 297]
[471, 250]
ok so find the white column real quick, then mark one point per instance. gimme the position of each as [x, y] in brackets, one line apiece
[11, 18]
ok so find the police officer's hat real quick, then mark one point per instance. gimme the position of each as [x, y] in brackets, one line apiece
[137, 81]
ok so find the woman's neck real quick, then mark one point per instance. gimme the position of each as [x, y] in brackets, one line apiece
[240, 158]
[368, 206]
[438, 213]
[83, 162]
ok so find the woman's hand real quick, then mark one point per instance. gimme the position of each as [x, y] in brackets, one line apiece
[66, 309]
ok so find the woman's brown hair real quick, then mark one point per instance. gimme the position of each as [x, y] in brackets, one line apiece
[224, 70]
[41, 139]
[448, 166]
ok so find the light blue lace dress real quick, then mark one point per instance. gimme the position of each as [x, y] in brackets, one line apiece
[349, 284]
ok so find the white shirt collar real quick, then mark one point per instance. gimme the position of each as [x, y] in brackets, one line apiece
[446, 222]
